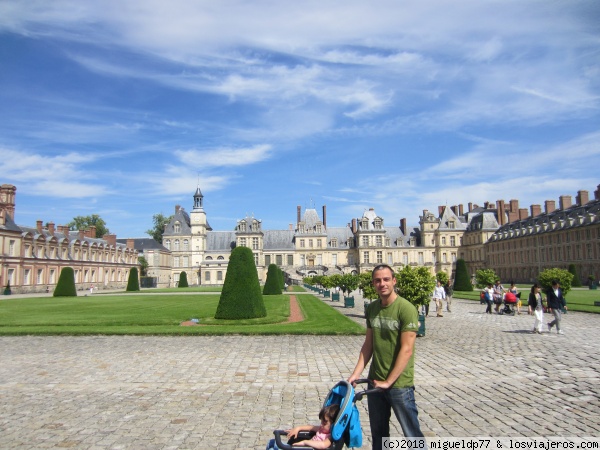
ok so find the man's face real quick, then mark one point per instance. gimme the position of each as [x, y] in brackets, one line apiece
[384, 282]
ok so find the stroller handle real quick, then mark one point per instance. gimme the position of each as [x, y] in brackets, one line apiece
[359, 395]
[283, 446]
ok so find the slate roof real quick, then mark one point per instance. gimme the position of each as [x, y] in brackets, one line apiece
[141, 244]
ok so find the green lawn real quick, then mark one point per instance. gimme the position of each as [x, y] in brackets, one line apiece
[577, 299]
[135, 313]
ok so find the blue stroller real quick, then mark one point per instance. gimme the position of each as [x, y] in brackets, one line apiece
[346, 428]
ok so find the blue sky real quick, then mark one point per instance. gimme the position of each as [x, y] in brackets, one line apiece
[119, 108]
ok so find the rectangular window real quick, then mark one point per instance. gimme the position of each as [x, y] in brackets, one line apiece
[206, 276]
[319, 245]
[267, 260]
[421, 258]
[290, 260]
[365, 241]
[40, 275]
[219, 275]
[334, 259]
[366, 257]
[379, 257]
[453, 241]
[405, 258]
[390, 260]
[11, 248]
[242, 242]
[310, 243]
[301, 243]
[279, 260]
[26, 276]
[254, 243]
[256, 259]
[379, 241]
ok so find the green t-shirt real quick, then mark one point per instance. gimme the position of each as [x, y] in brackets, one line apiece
[387, 324]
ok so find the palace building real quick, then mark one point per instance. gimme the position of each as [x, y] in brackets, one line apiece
[32, 257]
[500, 236]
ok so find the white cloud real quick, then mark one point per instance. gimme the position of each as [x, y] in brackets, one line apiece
[225, 157]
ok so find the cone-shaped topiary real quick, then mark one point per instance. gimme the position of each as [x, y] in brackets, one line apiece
[241, 297]
[462, 281]
[133, 283]
[183, 280]
[272, 285]
[66, 283]
[576, 281]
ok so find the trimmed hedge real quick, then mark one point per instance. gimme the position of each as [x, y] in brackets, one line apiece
[273, 283]
[133, 282]
[462, 281]
[241, 297]
[66, 284]
[183, 282]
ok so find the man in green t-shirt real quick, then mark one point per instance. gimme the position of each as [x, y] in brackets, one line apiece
[392, 324]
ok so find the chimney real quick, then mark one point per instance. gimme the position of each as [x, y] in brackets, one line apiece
[583, 198]
[81, 235]
[39, 226]
[325, 216]
[514, 205]
[51, 228]
[403, 225]
[564, 201]
[486, 205]
[597, 193]
[2, 217]
[93, 232]
[549, 206]
[461, 211]
[523, 213]
[111, 239]
[177, 208]
[354, 226]
[298, 214]
[8, 193]
[470, 206]
[131, 243]
[500, 207]
[440, 211]
[513, 216]
[291, 227]
[536, 210]
[454, 209]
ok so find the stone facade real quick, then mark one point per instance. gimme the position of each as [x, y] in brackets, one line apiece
[478, 235]
[31, 258]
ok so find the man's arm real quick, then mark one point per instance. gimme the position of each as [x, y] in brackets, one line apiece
[364, 356]
[407, 345]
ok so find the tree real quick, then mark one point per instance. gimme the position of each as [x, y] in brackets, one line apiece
[66, 283]
[183, 282]
[365, 284]
[143, 266]
[335, 280]
[85, 222]
[483, 277]
[160, 221]
[576, 280]
[241, 297]
[348, 283]
[564, 277]
[442, 277]
[462, 280]
[415, 285]
[133, 282]
[273, 283]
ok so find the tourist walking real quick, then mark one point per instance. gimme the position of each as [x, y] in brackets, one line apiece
[488, 295]
[449, 292]
[536, 304]
[498, 295]
[556, 302]
[439, 294]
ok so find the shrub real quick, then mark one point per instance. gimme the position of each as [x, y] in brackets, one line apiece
[415, 285]
[442, 277]
[66, 283]
[183, 282]
[483, 277]
[563, 276]
[273, 283]
[576, 281]
[133, 282]
[462, 280]
[241, 297]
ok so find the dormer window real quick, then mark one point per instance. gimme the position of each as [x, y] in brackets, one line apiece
[378, 224]
[177, 227]
[242, 226]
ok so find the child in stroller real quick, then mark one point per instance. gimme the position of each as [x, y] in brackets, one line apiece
[510, 301]
[340, 423]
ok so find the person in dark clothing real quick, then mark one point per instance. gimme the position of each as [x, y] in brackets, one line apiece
[556, 302]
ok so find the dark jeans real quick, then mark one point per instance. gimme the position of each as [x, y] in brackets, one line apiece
[489, 306]
[402, 402]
